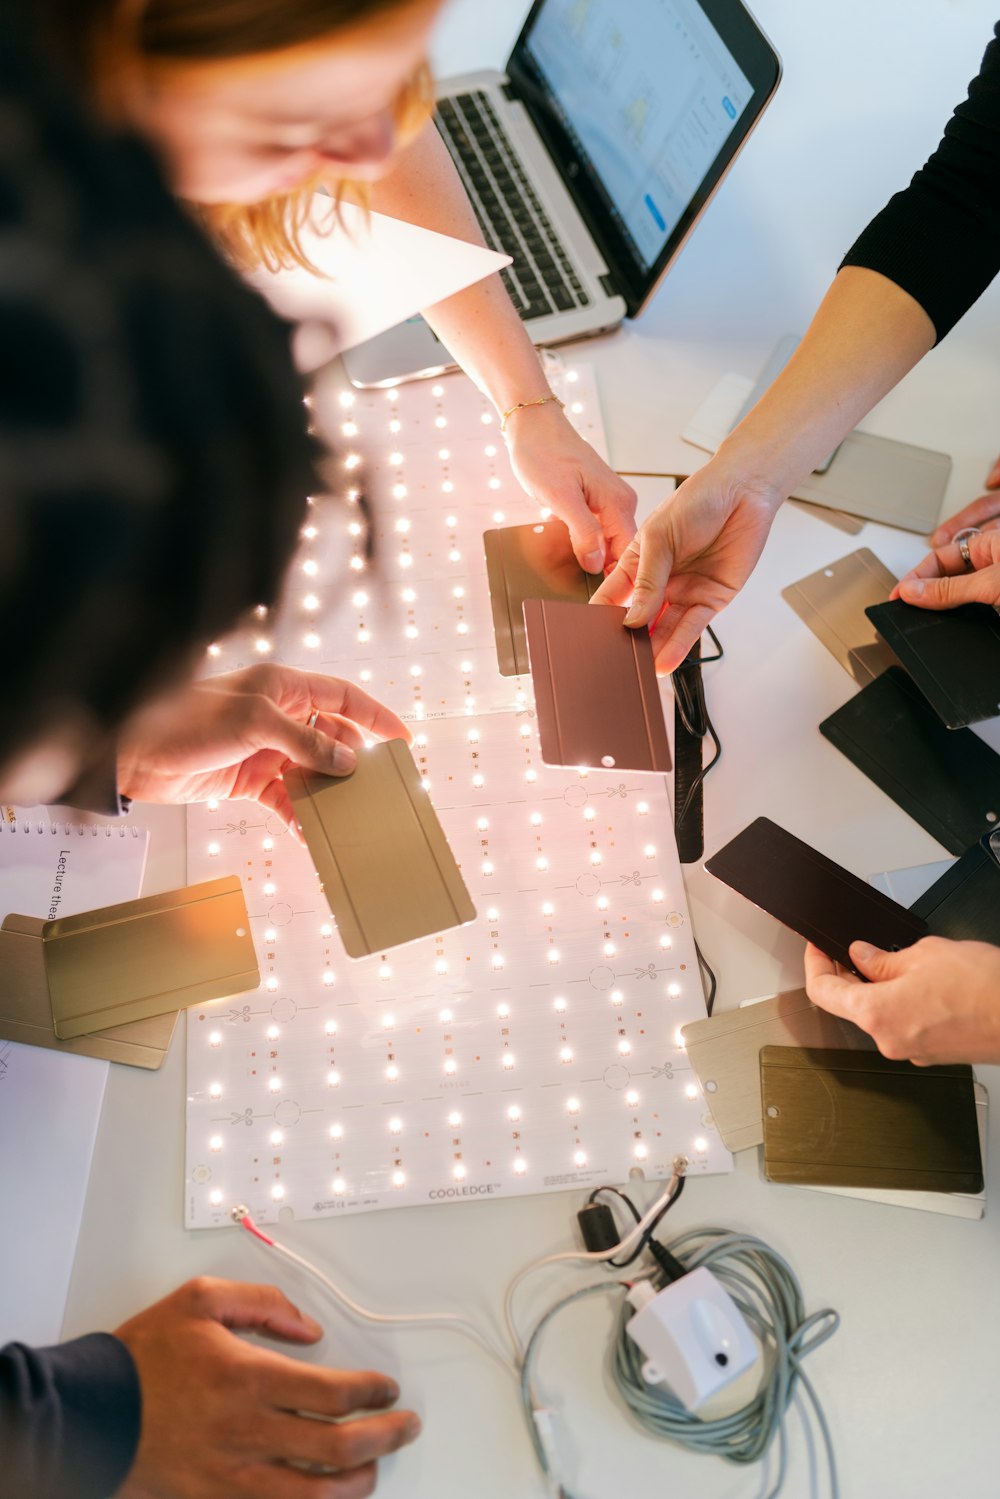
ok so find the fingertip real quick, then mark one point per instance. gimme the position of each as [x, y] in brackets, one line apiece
[592, 562]
[911, 588]
[342, 759]
[862, 952]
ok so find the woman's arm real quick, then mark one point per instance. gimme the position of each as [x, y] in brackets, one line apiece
[487, 338]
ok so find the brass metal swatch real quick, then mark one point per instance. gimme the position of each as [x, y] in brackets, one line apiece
[530, 562]
[596, 692]
[832, 602]
[388, 873]
[856, 1119]
[145, 957]
[26, 1011]
[724, 1052]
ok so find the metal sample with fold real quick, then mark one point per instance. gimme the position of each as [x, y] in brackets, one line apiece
[143, 958]
[388, 873]
[724, 1052]
[964, 904]
[529, 562]
[596, 692]
[857, 1119]
[832, 601]
[952, 656]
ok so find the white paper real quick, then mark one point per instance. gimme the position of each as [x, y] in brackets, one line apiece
[377, 272]
[50, 1105]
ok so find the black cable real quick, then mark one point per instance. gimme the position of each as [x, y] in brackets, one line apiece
[651, 1229]
[713, 982]
[626, 1200]
[689, 696]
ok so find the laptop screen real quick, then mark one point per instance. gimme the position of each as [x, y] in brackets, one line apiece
[643, 106]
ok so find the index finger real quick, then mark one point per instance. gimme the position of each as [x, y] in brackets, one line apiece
[292, 1386]
[986, 508]
[336, 696]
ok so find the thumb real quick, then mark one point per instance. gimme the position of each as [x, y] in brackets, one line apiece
[585, 531]
[874, 962]
[265, 1309]
[982, 587]
[651, 577]
[302, 744]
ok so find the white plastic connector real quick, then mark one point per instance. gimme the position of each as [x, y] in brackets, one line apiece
[693, 1335]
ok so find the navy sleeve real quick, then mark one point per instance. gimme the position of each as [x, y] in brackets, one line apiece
[939, 239]
[69, 1419]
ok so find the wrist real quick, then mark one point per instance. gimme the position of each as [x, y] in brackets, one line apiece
[743, 472]
[533, 410]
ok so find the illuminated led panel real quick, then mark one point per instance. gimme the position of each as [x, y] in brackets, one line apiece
[561, 1003]
[420, 598]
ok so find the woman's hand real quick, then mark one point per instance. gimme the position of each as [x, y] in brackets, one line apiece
[232, 737]
[942, 580]
[558, 469]
[984, 513]
[937, 1001]
[690, 559]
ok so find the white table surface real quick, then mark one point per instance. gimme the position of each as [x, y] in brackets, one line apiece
[910, 1381]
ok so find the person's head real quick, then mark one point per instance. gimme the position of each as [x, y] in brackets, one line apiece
[251, 101]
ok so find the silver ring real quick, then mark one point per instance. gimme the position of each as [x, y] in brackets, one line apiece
[311, 720]
[963, 547]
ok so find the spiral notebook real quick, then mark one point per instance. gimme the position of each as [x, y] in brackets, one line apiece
[50, 1105]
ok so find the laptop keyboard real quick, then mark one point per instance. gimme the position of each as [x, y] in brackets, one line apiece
[542, 279]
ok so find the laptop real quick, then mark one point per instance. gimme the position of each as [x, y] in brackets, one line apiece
[591, 159]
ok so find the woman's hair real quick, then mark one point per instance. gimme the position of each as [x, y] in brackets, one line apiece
[105, 38]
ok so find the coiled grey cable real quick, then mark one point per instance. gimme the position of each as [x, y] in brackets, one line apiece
[767, 1292]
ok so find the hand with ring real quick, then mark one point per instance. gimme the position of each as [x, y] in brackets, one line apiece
[965, 571]
[982, 514]
[233, 736]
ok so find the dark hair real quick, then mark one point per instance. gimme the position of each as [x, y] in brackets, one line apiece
[154, 457]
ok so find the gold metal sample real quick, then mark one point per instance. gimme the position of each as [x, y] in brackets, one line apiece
[856, 1119]
[387, 870]
[724, 1053]
[144, 957]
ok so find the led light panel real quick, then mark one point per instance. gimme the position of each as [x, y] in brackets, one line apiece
[537, 1047]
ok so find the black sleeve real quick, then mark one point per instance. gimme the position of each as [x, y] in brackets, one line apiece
[69, 1419]
[939, 239]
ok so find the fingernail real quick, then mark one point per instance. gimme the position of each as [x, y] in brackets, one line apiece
[593, 562]
[913, 586]
[634, 611]
[391, 1392]
[342, 758]
[862, 951]
[414, 1427]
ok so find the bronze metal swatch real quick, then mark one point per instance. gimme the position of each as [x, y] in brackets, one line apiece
[26, 1011]
[856, 1119]
[387, 870]
[724, 1053]
[145, 957]
[832, 602]
[530, 562]
[596, 692]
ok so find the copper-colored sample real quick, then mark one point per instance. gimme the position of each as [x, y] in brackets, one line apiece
[596, 692]
[529, 562]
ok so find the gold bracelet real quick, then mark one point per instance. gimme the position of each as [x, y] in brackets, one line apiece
[522, 405]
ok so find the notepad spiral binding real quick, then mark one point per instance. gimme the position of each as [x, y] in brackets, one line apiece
[27, 825]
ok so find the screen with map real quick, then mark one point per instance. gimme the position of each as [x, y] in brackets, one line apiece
[648, 94]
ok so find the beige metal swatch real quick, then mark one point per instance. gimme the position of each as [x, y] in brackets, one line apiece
[596, 692]
[724, 1053]
[26, 1012]
[832, 602]
[894, 483]
[529, 562]
[853, 1118]
[146, 957]
[387, 870]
